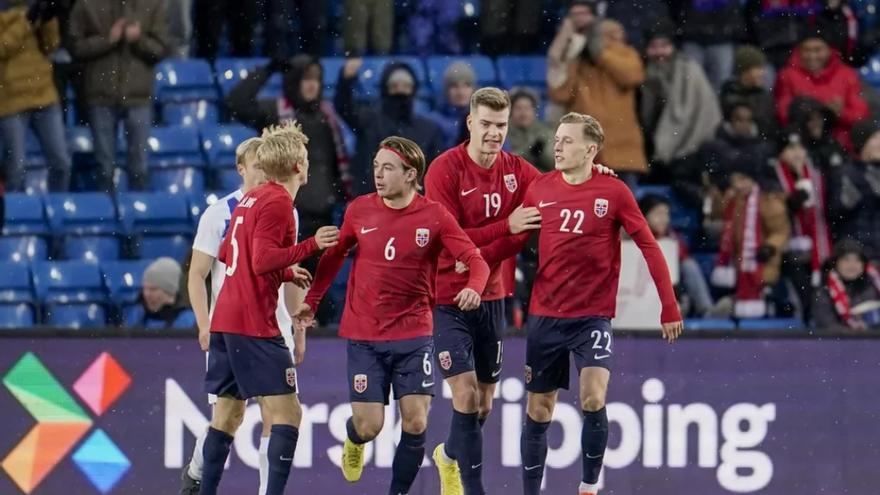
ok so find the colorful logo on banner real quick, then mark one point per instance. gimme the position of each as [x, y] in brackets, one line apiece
[62, 422]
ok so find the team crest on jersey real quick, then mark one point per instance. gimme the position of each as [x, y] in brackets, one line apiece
[445, 360]
[510, 182]
[528, 374]
[422, 237]
[360, 383]
[600, 207]
[290, 376]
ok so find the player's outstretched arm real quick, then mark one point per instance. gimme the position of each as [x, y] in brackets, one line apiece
[330, 264]
[199, 268]
[273, 221]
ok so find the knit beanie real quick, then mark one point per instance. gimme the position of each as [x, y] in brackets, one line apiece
[164, 273]
[459, 72]
[747, 57]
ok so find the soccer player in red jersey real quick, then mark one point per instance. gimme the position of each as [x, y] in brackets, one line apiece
[247, 356]
[575, 289]
[387, 319]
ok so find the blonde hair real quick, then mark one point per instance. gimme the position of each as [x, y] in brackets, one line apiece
[413, 156]
[494, 98]
[283, 146]
[248, 147]
[591, 126]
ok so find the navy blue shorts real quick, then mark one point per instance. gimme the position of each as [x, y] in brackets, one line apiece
[551, 340]
[243, 367]
[470, 340]
[373, 367]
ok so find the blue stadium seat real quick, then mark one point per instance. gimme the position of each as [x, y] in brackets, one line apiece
[36, 181]
[68, 282]
[23, 249]
[663, 191]
[231, 71]
[91, 248]
[82, 145]
[228, 179]
[702, 324]
[184, 80]
[25, 215]
[175, 147]
[189, 114]
[155, 246]
[771, 324]
[188, 181]
[522, 71]
[370, 75]
[16, 316]
[331, 66]
[871, 71]
[133, 316]
[81, 213]
[706, 262]
[483, 67]
[15, 283]
[219, 143]
[154, 213]
[123, 280]
[76, 316]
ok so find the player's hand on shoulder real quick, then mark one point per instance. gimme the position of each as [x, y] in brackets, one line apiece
[327, 236]
[351, 67]
[304, 317]
[467, 299]
[460, 267]
[672, 330]
[301, 277]
[603, 170]
[524, 218]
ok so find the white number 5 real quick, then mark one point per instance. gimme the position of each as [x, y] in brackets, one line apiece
[231, 268]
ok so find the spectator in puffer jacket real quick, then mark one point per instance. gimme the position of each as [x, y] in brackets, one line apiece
[709, 30]
[748, 86]
[160, 305]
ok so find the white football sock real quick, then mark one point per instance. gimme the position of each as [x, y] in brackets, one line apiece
[585, 488]
[264, 464]
[195, 464]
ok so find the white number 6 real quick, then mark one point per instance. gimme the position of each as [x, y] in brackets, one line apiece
[389, 250]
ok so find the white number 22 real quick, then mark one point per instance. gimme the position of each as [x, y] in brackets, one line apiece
[232, 266]
[566, 215]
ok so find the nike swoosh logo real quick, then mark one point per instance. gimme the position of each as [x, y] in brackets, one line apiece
[286, 459]
[496, 373]
[532, 468]
[593, 456]
[543, 204]
[465, 193]
[599, 358]
[426, 385]
[365, 230]
[475, 466]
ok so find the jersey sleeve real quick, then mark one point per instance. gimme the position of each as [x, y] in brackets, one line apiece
[486, 235]
[272, 223]
[630, 217]
[209, 233]
[440, 186]
[463, 249]
[509, 245]
[331, 262]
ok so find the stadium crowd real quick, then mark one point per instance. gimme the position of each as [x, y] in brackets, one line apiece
[749, 130]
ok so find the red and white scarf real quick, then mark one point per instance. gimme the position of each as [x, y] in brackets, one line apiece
[810, 227]
[286, 112]
[749, 271]
[837, 289]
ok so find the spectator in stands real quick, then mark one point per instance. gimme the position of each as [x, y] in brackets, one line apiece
[301, 100]
[567, 45]
[637, 17]
[804, 188]
[180, 27]
[868, 17]
[838, 24]
[708, 31]
[433, 27]
[375, 17]
[459, 82]
[119, 46]
[855, 192]
[747, 85]
[814, 122]
[509, 26]
[755, 232]
[309, 32]
[527, 136]
[602, 82]
[28, 98]
[160, 299]
[850, 297]
[393, 116]
[815, 70]
[238, 17]
[696, 292]
[776, 27]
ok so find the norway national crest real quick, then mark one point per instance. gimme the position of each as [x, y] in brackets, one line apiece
[290, 376]
[510, 182]
[422, 237]
[445, 360]
[600, 207]
[360, 383]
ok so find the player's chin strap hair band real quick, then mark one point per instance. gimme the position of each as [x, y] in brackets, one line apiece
[399, 155]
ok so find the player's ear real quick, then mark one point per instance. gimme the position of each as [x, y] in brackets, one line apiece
[469, 121]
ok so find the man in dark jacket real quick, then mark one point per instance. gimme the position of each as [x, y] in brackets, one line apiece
[814, 122]
[748, 86]
[119, 44]
[393, 116]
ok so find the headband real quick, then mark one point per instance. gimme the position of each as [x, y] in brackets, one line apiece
[399, 155]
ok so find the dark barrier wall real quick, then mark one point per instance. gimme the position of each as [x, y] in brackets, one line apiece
[704, 416]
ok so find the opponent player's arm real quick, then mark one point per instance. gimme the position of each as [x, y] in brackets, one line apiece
[199, 268]
[330, 264]
[268, 255]
[463, 249]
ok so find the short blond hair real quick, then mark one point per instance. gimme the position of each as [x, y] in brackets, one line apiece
[591, 126]
[248, 147]
[283, 146]
[493, 98]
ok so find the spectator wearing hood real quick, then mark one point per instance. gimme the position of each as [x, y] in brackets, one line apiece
[602, 82]
[849, 300]
[855, 192]
[527, 136]
[459, 83]
[708, 31]
[815, 70]
[747, 86]
[814, 122]
[738, 139]
[393, 116]
[329, 180]
[159, 306]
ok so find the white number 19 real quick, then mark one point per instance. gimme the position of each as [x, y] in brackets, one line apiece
[492, 201]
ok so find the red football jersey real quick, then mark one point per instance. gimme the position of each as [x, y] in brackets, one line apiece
[579, 247]
[480, 200]
[258, 250]
[390, 289]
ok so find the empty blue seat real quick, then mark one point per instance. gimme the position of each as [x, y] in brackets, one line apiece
[483, 67]
[23, 249]
[155, 246]
[68, 282]
[871, 71]
[16, 316]
[522, 71]
[184, 80]
[123, 279]
[154, 213]
[231, 71]
[36, 180]
[91, 248]
[15, 283]
[706, 262]
[219, 143]
[188, 114]
[228, 179]
[702, 324]
[175, 147]
[188, 181]
[771, 324]
[81, 213]
[370, 75]
[331, 66]
[76, 316]
[662, 191]
[24, 215]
